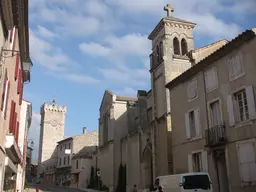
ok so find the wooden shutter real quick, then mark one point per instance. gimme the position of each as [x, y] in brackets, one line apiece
[190, 163]
[197, 122]
[230, 110]
[4, 90]
[14, 123]
[251, 102]
[247, 163]
[14, 39]
[19, 81]
[187, 125]
[205, 161]
[7, 98]
[21, 95]
[17, 67]
[17, 132]
[12, 112]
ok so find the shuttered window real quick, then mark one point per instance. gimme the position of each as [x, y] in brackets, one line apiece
[4, 91]
[198, 162]
[241, 106]
[247, 161]
[6, 99]
[235, 66]
[12, 116]
[192, 89]
[211, 79]
[17, 67]
[192, 121]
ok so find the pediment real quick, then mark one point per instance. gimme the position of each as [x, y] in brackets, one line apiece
[106, 100]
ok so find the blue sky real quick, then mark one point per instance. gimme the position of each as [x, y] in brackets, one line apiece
[82, 47]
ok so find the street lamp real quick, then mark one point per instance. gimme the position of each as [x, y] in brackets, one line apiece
[26, 64]
[31, 143]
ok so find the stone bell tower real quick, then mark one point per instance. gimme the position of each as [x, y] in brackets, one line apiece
[51, 131]
[172, 39]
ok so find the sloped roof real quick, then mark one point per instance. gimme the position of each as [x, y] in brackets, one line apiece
[244, 37]
[86, 152]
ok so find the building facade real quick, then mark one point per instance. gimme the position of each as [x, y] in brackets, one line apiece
[82, 165]
[145, 128]
[25, 122]
[113, 126]
[214, 130]
[14, 71]
[51, 131]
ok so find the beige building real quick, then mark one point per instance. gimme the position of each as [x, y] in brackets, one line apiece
[214, 116]
[143, 125]
[82, 164]
[69, 147]
[51, 131]
[14, 72]
[113, 126]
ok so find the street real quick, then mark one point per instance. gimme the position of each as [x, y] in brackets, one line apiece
[56, 189]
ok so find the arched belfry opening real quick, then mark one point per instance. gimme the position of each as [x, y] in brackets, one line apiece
[184, 47]
[176, 46]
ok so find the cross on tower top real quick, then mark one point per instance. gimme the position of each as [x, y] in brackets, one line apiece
[169, 9]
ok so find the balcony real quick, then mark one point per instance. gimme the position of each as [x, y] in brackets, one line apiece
[12, 149]
[215, 136]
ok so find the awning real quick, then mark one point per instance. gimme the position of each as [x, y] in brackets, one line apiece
[9, 166]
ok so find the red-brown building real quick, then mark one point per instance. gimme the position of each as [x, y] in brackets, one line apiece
[14, 72]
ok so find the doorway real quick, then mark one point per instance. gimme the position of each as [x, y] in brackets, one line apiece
[223, 183]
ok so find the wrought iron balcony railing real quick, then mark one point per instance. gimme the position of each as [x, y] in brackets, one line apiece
[215, 136]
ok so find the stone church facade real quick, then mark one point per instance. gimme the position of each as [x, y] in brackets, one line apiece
[139, 130]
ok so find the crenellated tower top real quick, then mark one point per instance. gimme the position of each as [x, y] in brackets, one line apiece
[53, 106]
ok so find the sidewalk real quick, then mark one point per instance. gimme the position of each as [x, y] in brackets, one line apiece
[30, 190]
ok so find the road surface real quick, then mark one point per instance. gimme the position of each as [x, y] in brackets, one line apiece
[56, 189]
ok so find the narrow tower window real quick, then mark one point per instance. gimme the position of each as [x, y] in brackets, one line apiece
[158, 53]
[184, 47]
[161, 50]
[176, 46]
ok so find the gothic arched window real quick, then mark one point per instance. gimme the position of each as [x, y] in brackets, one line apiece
[184, 47]
[176, 46]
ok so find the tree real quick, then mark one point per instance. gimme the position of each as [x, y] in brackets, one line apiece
[120, 180]
[92, 179]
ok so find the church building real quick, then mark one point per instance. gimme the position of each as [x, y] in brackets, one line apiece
[143, 125]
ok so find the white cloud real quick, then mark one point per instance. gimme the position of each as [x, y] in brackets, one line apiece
[59, 65]
[81, 79]
[74, 18]
[44, 32]
[118, 48]
[129, 91]
[204, 13]
[94, 49]
[34, 133]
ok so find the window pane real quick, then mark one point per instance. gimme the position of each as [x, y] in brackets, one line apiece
[196, 182]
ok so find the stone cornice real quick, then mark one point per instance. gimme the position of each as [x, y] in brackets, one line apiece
[171, 23]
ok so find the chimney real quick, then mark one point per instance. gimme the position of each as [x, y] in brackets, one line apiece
[84, 130]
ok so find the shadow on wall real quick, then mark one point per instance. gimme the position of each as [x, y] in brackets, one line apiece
[49, 167]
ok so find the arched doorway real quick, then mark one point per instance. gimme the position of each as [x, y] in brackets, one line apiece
[147, 167]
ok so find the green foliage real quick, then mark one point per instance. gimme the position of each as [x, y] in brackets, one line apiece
[26, 184]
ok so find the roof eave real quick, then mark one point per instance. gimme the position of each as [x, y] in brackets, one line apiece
[224, 50]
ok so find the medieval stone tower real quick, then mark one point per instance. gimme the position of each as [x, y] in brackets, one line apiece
[51, 131]
[172, 40]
